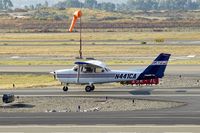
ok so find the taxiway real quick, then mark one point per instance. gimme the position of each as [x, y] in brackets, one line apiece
[188, 114]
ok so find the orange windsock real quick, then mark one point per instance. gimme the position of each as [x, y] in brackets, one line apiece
[77, 15]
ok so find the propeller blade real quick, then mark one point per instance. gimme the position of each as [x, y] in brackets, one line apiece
[54, 76]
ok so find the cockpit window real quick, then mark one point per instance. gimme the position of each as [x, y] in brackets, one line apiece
[102, 70]
[88, 69]
[99, 70]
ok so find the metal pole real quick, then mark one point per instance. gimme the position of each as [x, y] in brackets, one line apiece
[80, 51]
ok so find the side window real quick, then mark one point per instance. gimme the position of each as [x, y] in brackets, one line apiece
[100, 70]
[87, 70]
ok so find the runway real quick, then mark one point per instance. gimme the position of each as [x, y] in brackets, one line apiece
[98, 42]
[65, 58]
[102, 92]
[102, 129]
[188, 114]
[93, 118]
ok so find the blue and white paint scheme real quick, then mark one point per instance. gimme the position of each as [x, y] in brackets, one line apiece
[93, 72]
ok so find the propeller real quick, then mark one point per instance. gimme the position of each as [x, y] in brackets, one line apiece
[54, 75]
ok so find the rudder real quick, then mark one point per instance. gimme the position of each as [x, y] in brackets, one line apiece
[157, 68]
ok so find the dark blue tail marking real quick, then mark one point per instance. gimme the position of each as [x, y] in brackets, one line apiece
[157, 68]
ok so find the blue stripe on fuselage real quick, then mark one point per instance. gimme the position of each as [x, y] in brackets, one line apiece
[86, 75]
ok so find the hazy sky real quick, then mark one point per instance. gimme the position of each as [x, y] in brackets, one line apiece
[22, 3]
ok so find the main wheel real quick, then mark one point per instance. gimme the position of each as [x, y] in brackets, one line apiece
[88, 88]
[65, 88]
[93, 87]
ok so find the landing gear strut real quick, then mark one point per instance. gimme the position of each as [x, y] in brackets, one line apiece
[65, 88]
[89, 88]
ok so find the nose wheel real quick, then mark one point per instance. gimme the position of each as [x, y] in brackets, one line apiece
[89, 88]
[65, 88]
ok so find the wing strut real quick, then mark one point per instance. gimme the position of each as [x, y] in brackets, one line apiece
[78, 74]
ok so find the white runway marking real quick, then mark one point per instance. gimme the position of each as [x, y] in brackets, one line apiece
[97, 126]
[178, 132]
[126, 95]
[191, 56]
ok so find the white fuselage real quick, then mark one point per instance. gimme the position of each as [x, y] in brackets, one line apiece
[69, 76]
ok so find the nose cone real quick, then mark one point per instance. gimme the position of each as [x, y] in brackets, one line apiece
[53, 73]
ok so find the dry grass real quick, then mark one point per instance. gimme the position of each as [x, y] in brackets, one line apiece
[24, 81]
[34, 63]
[50, 43]
[102, 36]
[96, 51]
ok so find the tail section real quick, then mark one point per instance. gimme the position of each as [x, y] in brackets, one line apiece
[157, 68]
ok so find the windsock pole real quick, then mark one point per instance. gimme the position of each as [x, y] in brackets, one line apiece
[77, 15]
[80, 51]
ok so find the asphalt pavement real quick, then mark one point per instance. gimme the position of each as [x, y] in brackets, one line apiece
[98, 42]
[101, 129]
[188, 114]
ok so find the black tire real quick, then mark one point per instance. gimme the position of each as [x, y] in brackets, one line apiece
[65, 88]
[93, 87]
[88, 88]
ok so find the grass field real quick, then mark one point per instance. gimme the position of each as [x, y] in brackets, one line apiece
[22, 81]
[49, 43]
[27, 80]
[101, 36]
[96, 51]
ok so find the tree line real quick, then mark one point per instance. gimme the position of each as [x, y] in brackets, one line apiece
[5, 4]
[161, 5]
[108, 6]
[130, 5]
[133, 5]
[37, 6]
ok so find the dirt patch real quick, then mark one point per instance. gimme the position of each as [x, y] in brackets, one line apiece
[84, 104]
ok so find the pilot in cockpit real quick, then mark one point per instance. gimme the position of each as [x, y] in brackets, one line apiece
[87, 69]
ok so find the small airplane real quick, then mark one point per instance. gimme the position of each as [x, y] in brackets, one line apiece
[93, 72]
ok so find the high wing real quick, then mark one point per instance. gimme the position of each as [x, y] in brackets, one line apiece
[94, 63]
